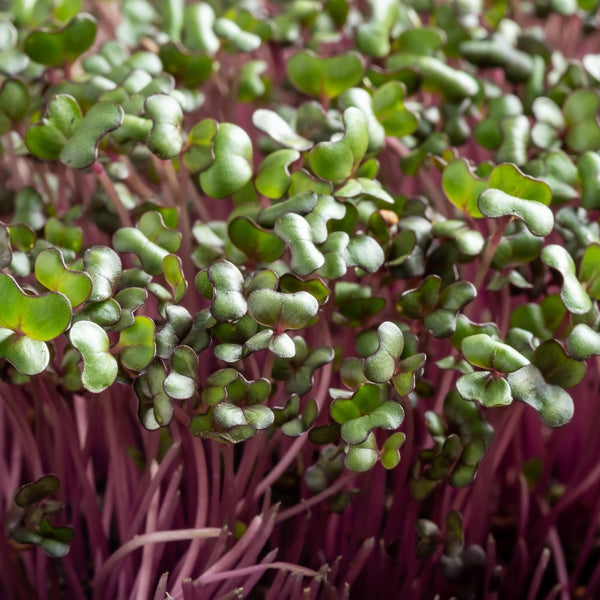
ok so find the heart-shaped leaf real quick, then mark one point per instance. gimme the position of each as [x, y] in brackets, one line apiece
[368, 188]
[390, 451]
[572, 293]
[381, 365]
[279, 129]
[324, 77]
[99, 366]
[61, 120]
[580, 110]
[103, 265]
[468, 241]
[273, 177]
[191, 68]
[180, 384]
[155, 408]
[27, 355]
[177, 326]
[252, 83]
[232, 167]
[406, 372]
[364, 252]
[296, 232]
[81, 150]
[41, 318]
[199, 154]
[36, 491]
[538, 218]
[228, 303]
[337, 160]
[556, 367]
[198, 34]
[298, 374]
[483, 387]
[362, 457]
[136, 344]
[164, 138]
[282, 311]
[151, 255]
[372, 36]
[301, 204]
[361, 99]
[244, 41]
[51, 272]
[486, 352]
[553, 404]
[388, 106]
[173, 270]
[438, 77]
[54, 48]
[463, 187]
[256, 243]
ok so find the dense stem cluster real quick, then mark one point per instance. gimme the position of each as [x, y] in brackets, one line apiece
[299, 299]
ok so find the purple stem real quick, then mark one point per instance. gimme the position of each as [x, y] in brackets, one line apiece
[489, 566]
[172, 498]
[250, 556]
[150, 489]
[261, 567]
[20, 425]
[587, 544]
[359, 560]
[295, 447]
[157, 537]
[304, 505]
[237, 551]
[538, 574]
[146, 572]
[559, 563]
[196, 450]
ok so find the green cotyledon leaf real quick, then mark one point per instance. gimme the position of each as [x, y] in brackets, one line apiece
[51, 271]
[47, 138]
[228, 303]
[136, 344]
[513, 193]
[181, 381]
[486, 352]
[462, 186]
[81, 150]
[164, 138]
[273, 177]
[99, 366]
[104, 266]
[573, 295]
[482, 387]
[155, 408]
[232, 167]
[27, 355]
[54, 48]
[280, 130]
[328, 77]
[41, 318]
[282, 311]
[553, 403]
[337, 160]
[381, 365]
